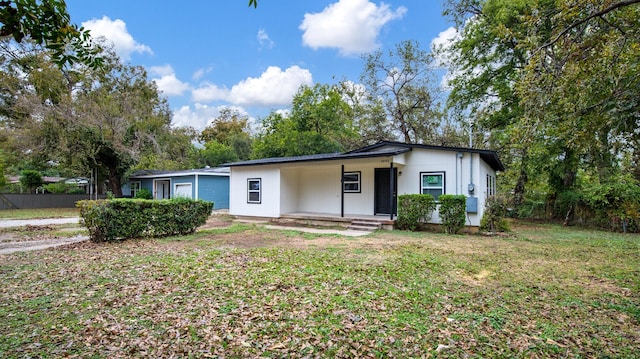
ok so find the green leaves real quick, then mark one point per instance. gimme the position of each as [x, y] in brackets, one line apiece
[414, 210]
[320, 122]
[48, 23]
[452, 212]
[550, 83]
[121, 219]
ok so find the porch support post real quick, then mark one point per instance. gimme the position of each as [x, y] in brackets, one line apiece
[391, 194]
[342, 192]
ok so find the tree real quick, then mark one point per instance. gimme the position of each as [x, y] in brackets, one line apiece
[48, 23]
[215, 153]
[403, 82]
[108, 118]
[31, 179]
[553, 85]
[320, 122]
[230, 129]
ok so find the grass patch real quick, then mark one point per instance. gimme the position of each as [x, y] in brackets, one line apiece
[244, 291]
[39, 213]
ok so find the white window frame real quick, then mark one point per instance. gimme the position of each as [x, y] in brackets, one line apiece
[491, 185]
[357, 182]
[134, 187]
[442, 188]
[251, 191]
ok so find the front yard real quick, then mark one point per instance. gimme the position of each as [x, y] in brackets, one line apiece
[245, 291]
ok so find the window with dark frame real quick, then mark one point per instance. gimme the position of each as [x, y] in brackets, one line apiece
[351, 182]
[432, 183]
[254, 190]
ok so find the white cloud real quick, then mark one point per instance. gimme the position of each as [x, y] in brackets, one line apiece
[200, 73]
[352, 26]
[200, 116]
[441, 46]
[167, 81]
[197, 117]
[115, 31]
[163, 70]
[209, 92]
[264, 39]
[273, 87]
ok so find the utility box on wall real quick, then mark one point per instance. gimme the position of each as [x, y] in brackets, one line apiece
[472, 204]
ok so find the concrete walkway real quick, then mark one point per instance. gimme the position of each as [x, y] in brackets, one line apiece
[345, 232]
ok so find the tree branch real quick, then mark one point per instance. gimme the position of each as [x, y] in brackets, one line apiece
[591, 16]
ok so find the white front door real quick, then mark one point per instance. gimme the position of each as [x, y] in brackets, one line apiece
[162, 189]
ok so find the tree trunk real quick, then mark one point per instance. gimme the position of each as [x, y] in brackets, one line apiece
[115, 184]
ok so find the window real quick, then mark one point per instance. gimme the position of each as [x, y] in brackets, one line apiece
[351, 182]
[491, 185]
[254, 190]
[135, 187]
[432, 183]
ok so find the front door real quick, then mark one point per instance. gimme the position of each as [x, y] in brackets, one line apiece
[163, 189]
[384, 203]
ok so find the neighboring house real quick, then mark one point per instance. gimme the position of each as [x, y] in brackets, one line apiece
[362, 183]
[210, 184]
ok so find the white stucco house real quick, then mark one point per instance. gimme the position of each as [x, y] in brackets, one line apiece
[363, 183]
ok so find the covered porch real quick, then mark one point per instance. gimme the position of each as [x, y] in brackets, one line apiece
[349, 221]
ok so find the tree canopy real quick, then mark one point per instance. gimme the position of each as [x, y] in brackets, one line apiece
[48, 23]
[320, 122]
[553, 85]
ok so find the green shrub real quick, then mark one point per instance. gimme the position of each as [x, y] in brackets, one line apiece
[414, 210]
[493, 219]
[31, 179]
[144, 193]
[118, 219]
[452, 212]
[62, 187]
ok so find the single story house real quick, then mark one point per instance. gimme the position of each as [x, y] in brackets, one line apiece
[209, 184]
[363, 183]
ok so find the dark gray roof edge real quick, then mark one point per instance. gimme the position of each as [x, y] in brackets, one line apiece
[214, 171]
[489, 156]
[314, 158]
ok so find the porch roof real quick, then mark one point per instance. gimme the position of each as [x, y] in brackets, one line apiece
[380, 149]
[383, 152]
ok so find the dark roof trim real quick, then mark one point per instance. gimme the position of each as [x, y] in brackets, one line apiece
[318, 157]
[380, 149]
[490, 157]
[216, 171]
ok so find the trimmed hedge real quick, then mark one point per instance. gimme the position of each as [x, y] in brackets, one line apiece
[119, 219]
[453, 211]
[414, 210]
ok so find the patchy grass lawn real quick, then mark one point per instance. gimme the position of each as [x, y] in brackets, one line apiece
[244, 291]
[39, 213]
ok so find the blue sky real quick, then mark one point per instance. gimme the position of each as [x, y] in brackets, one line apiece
[208, 54]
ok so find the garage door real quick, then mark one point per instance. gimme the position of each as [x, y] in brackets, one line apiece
[182, 190]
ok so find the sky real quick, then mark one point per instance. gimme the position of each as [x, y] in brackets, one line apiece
[205, 55]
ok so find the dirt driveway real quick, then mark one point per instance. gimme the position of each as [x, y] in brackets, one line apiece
[36, 234]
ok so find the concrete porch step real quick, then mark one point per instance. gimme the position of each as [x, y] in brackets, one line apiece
[365, 225]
